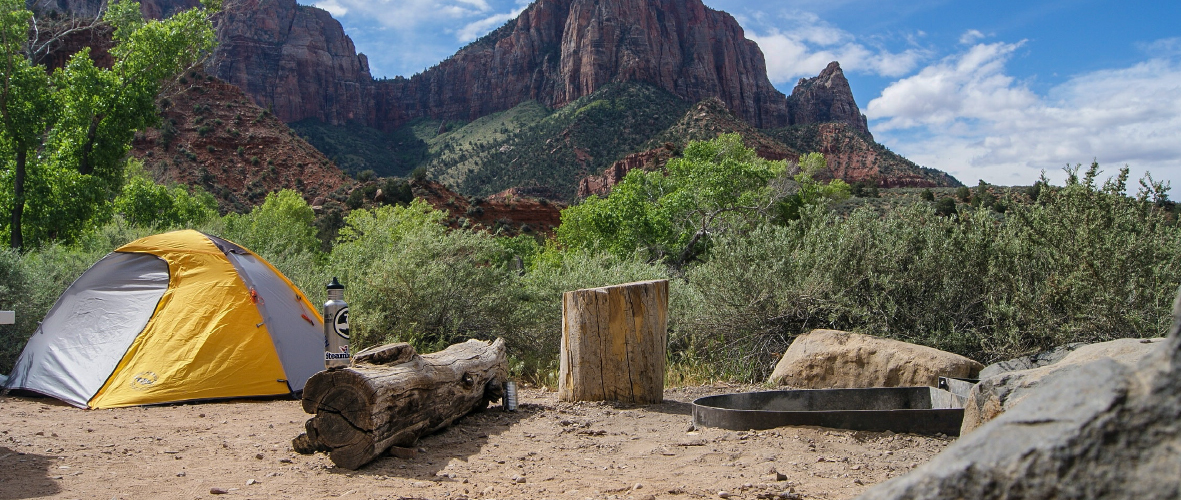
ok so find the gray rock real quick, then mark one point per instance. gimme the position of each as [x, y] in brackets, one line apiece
[995, 395]
[1101, 430]
[1029, 362]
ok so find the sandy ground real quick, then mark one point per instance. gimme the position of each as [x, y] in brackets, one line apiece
[547, 449]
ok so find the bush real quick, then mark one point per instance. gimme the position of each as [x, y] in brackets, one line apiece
[411, 279]
[1085, 264]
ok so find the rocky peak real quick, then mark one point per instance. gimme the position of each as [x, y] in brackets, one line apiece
[297, 61]
[824, 99]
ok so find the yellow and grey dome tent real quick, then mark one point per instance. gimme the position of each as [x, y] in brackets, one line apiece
[174, 317]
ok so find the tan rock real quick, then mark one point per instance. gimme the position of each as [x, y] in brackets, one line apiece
[827, 359]
[995, 395]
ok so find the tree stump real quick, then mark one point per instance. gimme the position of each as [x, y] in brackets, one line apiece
[613, 343]
[391, 396]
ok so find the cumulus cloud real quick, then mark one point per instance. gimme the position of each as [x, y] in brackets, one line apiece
[406, 14]
[478, 28]
[971, 36]
[964, 114]
[810, 44]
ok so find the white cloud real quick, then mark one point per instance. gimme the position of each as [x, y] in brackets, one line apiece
[406, 14]
[810, 44]
[476, 29]
[971, 36]
[333, 7]
[965, 115]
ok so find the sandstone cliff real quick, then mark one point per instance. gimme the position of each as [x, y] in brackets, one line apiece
[824, 99]
[297, 61]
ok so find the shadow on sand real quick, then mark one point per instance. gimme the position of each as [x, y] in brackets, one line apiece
[25, 475]
[461, 441]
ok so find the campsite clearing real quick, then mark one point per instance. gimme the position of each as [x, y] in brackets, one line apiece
[547, 449]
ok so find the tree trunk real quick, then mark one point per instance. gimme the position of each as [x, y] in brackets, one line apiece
[18, 196]
[391, 396]
[613, 343]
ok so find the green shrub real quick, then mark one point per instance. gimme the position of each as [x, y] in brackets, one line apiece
[1084, 264]
[411, 279]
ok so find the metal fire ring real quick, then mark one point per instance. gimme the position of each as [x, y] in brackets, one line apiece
[918, 410]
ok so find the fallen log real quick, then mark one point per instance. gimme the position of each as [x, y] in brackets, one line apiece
[391, 396]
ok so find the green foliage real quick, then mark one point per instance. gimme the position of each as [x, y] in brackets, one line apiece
[1085, 264]
[412, 279]
[283, 227]
[946, 207]
[64, 138]
[147, 204]
[356, 148]
[717, 186]
[809, 191]
[531, 145]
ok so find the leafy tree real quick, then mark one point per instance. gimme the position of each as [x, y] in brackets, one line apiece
[64, 135]
[145, 203]
[810, 191]
[282, 227]
[717, 186]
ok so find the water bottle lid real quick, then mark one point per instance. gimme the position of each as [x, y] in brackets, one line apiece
[335, 285]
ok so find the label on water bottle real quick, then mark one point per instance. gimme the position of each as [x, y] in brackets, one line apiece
[332, 356]
[340, 322]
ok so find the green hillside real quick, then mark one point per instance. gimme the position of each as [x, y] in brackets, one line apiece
[356, 148]
[582, 138]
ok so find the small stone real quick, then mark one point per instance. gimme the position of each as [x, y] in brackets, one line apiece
[519, 479]
[284, 460]
[723, 494]
[638, 486]
[260, 456]
[180, 474]
[217, 491]
[200, 415]
[250, 482]
[779, 476]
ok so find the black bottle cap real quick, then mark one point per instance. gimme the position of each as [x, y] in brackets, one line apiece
[335, 285]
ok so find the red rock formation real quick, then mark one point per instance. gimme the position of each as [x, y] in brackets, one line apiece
[211, 135]
[293, 60]
[600, 185]
[824, 99]
[297, 61]
[501, 212]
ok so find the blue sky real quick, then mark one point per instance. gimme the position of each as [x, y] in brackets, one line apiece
[996, 90]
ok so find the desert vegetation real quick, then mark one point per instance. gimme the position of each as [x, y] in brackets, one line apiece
[757, 252]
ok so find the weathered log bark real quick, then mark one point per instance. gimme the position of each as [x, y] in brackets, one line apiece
[391, 396]
[613, 343]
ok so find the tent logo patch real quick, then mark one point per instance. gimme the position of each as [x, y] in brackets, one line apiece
[340, 322]
[144, 380]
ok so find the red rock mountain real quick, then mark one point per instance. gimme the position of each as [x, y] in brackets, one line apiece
[826, 99]
[297, 61]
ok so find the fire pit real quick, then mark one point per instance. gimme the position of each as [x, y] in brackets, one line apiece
[919, 410]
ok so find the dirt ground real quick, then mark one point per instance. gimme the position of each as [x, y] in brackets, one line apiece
[546, 449]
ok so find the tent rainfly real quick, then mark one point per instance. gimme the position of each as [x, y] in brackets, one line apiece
[174, 317]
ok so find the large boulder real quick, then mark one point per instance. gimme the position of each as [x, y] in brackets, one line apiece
[1031, 361]
[996, 394]
[1103, 430]
[828, 359]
